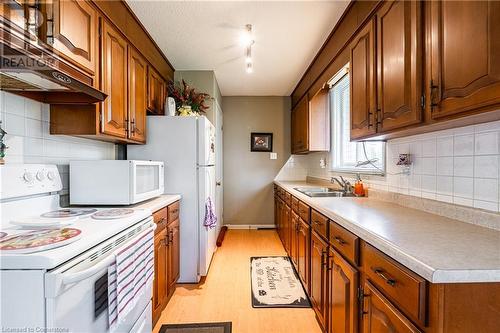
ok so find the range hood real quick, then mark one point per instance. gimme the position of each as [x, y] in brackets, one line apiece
[27, 69]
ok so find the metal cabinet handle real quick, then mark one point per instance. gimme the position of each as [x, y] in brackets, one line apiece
[434, 89]
[382, 274]
[339, 240]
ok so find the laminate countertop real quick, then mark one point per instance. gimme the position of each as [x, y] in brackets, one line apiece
[439, 249]
[157, 203]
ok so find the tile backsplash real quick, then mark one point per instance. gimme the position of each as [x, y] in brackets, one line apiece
[459, 166]
[27, 125]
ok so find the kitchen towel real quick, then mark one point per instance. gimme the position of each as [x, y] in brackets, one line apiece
[129, 275]
[210, 217]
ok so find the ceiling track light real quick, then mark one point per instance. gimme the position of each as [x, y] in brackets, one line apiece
[247, 41]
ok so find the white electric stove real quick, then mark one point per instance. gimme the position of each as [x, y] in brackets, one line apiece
[54, 260]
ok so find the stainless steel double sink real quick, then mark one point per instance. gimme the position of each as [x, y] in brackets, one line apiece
[318, 192]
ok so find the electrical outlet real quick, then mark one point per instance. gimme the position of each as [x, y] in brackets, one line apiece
[273, 156]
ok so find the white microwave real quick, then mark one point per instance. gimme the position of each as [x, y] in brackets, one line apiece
[114, 182]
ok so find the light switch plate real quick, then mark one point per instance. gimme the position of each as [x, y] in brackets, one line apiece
[273, 156]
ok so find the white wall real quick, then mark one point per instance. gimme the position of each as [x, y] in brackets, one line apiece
[27, 125]
[459, 166]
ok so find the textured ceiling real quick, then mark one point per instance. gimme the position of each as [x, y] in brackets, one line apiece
[204, 35]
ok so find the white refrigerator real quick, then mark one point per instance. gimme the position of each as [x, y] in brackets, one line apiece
[186, 145]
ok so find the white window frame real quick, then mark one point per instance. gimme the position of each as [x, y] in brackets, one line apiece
[337, 140]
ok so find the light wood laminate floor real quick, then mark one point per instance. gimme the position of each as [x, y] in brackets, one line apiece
[225, 295]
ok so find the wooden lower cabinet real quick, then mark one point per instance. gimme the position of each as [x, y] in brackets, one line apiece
[294, 237]
[380, 316]
[303, 253]
[342, 295]
[166, 247]
[319, 277]
[160, 279]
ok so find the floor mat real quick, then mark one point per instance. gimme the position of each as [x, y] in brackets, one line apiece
[224, 327]
[276, 284]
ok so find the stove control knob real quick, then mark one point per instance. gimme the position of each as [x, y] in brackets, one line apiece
[51, 175]
[40, 175]
[28, 177]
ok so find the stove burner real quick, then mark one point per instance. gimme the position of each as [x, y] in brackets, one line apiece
[68, 212]
[39, 240]
[113, 213]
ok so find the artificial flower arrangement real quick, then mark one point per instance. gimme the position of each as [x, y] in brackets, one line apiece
[188, 101]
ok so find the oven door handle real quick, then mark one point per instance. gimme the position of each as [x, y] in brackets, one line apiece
[58, 280]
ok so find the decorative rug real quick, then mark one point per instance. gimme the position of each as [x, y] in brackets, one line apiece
[276, 284]
[223, 327]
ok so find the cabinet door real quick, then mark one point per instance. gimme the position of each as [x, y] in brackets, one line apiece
[294, 225]
[114, 79]
[362, 83]
[173, 255]
[303, 251]
[380, 316]
[343, 298]
[286, 228]
[160, 279]
[156, 92]
[137, 92]
[465, 56]
[318, 282]
[399, 68]
[300, 126]
[74, 32]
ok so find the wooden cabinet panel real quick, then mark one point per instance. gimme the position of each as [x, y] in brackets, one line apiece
[74, 34]
[156, 92]
[380, 316]
[286, 227]
[319, 223]
[399, 64]
[173, 255]
[319, 277]
[319, 121]
[160, 282]
[465, 56]
[345, 242]
[160, 218]
[362, 82]
[303, 252]
[137, 93]
[295, 224]
[300, 127]
[343, 298]
[173, 211]
[405, 288]
[114, 79]
[304, 211]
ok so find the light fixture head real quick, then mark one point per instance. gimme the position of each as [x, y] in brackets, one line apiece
[248, 55]
[249, 68]
[246, 38]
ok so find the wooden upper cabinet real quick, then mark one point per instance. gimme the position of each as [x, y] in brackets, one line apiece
[362, 82]
[380, 316]
[300, 126]
[114, 82]
[157, 89]
[137, 92]
[342, 295]
[311, 124]
[74, 31]
[464, 57]
[399, 66]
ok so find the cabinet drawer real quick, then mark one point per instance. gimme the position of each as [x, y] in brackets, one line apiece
[161, 219]
[319, 223]
[344, 242]
[405, 288]
[304, 211]
[295, 204]
[288, 198]
[173, 212]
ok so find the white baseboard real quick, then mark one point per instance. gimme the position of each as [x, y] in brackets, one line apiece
[250, 226]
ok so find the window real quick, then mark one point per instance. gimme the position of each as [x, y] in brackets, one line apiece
[347, 156]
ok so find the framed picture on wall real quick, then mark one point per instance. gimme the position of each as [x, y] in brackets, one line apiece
[261, 142]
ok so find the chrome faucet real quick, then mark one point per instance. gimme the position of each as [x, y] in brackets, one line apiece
[346, 186]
